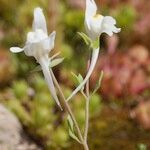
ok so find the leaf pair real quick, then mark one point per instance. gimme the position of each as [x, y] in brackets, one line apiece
[71, 129]
[79, 79]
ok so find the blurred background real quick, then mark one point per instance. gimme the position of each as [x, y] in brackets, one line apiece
[119, 112]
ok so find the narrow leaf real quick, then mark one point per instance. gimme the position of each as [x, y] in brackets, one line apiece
[98, 83]
[70, 122]
[53, 63]
[56, 62]
[73, 136]
[86, 39]
[71, 129]
[79, 79]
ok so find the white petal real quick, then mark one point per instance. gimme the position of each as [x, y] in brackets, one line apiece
[91, 8]
[48, 43]
[37, 36]
[16, 49]
[30, 49]
[30, 37]
[90, 11]
[108, 26]
[109, 20]
[52, 39]
[116, 30]
[95, 27]
[39, 21]
[91, 68]
[109, 32]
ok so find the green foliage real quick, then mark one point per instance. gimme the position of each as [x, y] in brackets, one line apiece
[142, 146]
[56, 62]
[86, 39]
[89, 42]
[20, 89]
[8, 11]
[125, 17]
[15, 106]
[95, 104]
[71, 129]
[37, 113]
[38, 83]
[70, 18]
[78, 79]
[79, 103]
[60, 137]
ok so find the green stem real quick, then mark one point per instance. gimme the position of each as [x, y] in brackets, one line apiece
[85, 146]
[87, 109]
[87, 112]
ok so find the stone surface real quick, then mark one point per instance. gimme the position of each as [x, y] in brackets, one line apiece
[12, 136]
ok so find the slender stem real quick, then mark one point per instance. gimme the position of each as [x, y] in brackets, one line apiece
[87, 84]
[85, 96]
[85, 146]
[87, 109]
[68, 109]
[86, 119]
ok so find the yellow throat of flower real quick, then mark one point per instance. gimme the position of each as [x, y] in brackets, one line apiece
[97, 16]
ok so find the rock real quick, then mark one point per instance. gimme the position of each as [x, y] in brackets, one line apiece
[12, 136]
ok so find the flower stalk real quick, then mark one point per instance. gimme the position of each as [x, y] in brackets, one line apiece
[67, 108]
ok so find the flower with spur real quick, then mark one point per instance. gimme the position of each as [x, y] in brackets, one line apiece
[38, 45]
[95, 25]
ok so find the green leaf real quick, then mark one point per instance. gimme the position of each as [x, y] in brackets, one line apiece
[53, 63]
[91, 43]
[86, 39]
[70, 122]
[71, 129]
[56, 62]
[98, 83]
[79, 79]
[73, 136]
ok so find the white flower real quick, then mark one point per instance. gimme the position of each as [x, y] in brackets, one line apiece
[38, 45]
[97, 24]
